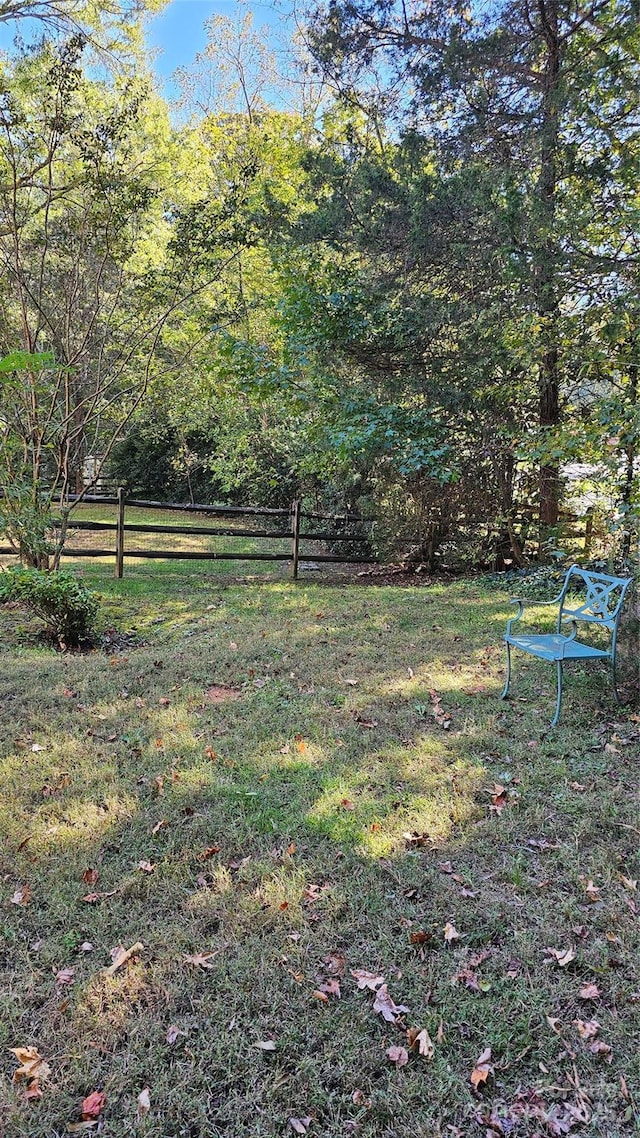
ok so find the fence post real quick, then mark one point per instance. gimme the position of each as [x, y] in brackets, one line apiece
[119, 569]
[295, 538]
[588, 533]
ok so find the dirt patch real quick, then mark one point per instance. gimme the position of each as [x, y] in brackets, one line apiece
[219, 693]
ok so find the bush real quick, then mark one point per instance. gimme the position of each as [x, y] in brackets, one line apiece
[68, 608]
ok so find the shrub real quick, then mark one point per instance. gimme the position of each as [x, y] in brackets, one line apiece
[68, 608]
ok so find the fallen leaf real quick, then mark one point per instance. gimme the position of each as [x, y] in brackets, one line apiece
[414, 839]
[347, 804]
[420, 1041]
[592, 891]
[32, 1068]
[482, 1069]
[209, 852]
[300, 1125]
[93, 898]
[86, 946]
[200, 959]
[22, 896]
[90, 876]
[173, 1034]
[445, 867]
[164, 701]
[159, 826]
[144, 1103]
[318, 995]
[420, 937]
[562, 956]
[450, 933]
[265, 1045]
[65, 976]
[331, 987]
[601, 1049]
[398, 1055]
[589, 992]
[384, 1005]
[146, 867]
[93, 1105]
[587, 1029]
[362, 721]
[629, 883]
[367, 979]
[499, 798]
[334, 963]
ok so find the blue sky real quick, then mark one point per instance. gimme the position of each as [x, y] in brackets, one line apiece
[178, 32]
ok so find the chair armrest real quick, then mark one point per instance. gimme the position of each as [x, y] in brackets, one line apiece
[572, 635]
[520, 603]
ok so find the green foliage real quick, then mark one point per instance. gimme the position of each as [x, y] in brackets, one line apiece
[68, 608]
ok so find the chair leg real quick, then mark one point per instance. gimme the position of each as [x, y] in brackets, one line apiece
[506, 686]
[554, 721]
[613, 680]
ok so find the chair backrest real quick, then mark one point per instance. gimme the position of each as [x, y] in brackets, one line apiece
[601, 597]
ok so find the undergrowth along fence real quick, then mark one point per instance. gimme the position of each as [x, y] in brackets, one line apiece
[249, 533]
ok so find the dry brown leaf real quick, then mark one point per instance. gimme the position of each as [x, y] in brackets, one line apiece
[416, 840]
[589, 992]
[398, 1055]
[159, 826]
[601, 1049]
[587, 1029]
[482, 1069]
[365, 979]
[66, 976]
[146, 867]
[322, 996]
[331, 987]
[384, 1005]
[347, 804]
[22, 896]
[144, 1104]
[450, 933]
[629, 883]
[90, 876]
[592, 891]
[32, 1067]
[173, 1033]
[300, 1125]
[265, 1045]
[562, 956]
[420, 937]
[93, 1105]
[420, 1041]
[335, 963]
[200, 959]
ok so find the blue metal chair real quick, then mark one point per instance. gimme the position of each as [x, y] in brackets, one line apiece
[599, 603]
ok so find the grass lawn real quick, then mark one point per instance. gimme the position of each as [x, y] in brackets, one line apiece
[272, 787]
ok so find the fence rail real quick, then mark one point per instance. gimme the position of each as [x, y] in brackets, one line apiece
[288, 526]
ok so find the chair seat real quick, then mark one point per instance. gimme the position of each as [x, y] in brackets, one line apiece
[552, 647]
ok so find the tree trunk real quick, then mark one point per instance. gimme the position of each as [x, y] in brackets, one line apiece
[545, 259]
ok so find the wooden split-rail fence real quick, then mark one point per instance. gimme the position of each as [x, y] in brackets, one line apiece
[278, 535]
